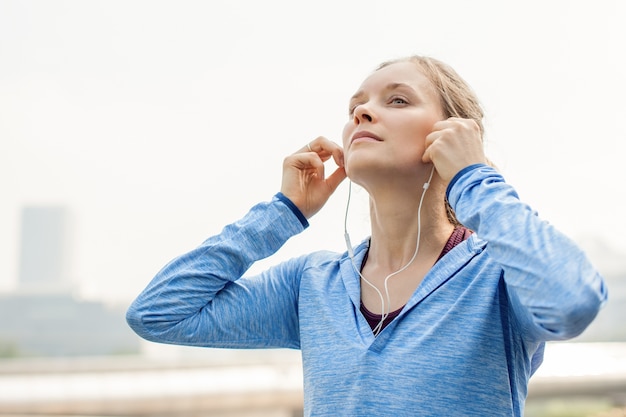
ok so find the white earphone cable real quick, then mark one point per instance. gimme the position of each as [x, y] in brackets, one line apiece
[385, 310]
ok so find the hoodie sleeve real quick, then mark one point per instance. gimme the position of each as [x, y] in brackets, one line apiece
[201, 299]
[554, 291]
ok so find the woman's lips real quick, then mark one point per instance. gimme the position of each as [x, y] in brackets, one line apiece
[364, 136]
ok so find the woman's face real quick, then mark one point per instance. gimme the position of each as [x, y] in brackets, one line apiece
[389, 118]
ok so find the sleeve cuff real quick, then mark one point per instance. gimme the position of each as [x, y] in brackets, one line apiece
[293, 208]
[459, 175]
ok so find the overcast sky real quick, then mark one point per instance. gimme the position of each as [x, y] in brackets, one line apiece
[157, 122]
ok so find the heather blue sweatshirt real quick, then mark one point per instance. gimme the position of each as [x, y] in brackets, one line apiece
[462, 345]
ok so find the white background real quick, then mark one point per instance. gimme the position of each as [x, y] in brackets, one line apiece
[157, 122]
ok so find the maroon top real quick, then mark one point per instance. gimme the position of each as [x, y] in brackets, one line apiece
[459, 234]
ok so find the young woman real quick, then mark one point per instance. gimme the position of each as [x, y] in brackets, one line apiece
[429, 316]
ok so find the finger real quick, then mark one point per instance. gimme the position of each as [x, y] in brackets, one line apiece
[307, 161]
[338, 156]
[321, 146]
[336, 178]
[319, 169]
[453, 123]
[426, 158]
[312, 146]
[441, 125]
[430, 138]
[306, 148]
[428, 143]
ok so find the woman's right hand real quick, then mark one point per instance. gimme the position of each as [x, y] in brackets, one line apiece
[304, 181]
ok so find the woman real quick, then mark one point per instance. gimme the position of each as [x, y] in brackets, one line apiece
[429, 316]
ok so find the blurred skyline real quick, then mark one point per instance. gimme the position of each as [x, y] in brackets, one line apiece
[156, 123]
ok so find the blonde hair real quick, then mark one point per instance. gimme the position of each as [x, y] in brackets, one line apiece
[456, 96]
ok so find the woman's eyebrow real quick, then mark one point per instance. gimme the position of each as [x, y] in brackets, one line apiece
[395, 86]
[389, 87]
[357, 95]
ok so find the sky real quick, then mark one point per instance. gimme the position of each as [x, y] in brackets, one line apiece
[156, 123]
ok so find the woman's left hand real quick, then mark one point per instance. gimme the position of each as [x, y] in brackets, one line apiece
[454, 144]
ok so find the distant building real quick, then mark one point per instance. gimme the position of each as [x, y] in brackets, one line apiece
[42, 318]
[44, 250]
[59, 325]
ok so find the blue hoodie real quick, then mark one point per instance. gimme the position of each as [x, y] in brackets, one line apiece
[462, 345]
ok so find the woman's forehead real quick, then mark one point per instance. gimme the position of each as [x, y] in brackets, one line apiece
[398, 73]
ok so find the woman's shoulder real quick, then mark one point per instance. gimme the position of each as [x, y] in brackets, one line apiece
[322, 257]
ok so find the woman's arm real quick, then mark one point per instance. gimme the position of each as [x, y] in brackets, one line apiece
[200, 299]
[554, 290]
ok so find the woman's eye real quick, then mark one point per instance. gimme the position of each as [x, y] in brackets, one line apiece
[352, 109]
[398, 100]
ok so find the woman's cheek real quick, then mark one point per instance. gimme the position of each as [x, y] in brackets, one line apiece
[345, 135]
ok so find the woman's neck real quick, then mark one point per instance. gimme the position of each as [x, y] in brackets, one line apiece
[395, 224]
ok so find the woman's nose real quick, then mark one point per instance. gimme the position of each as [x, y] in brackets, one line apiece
[362, 113]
